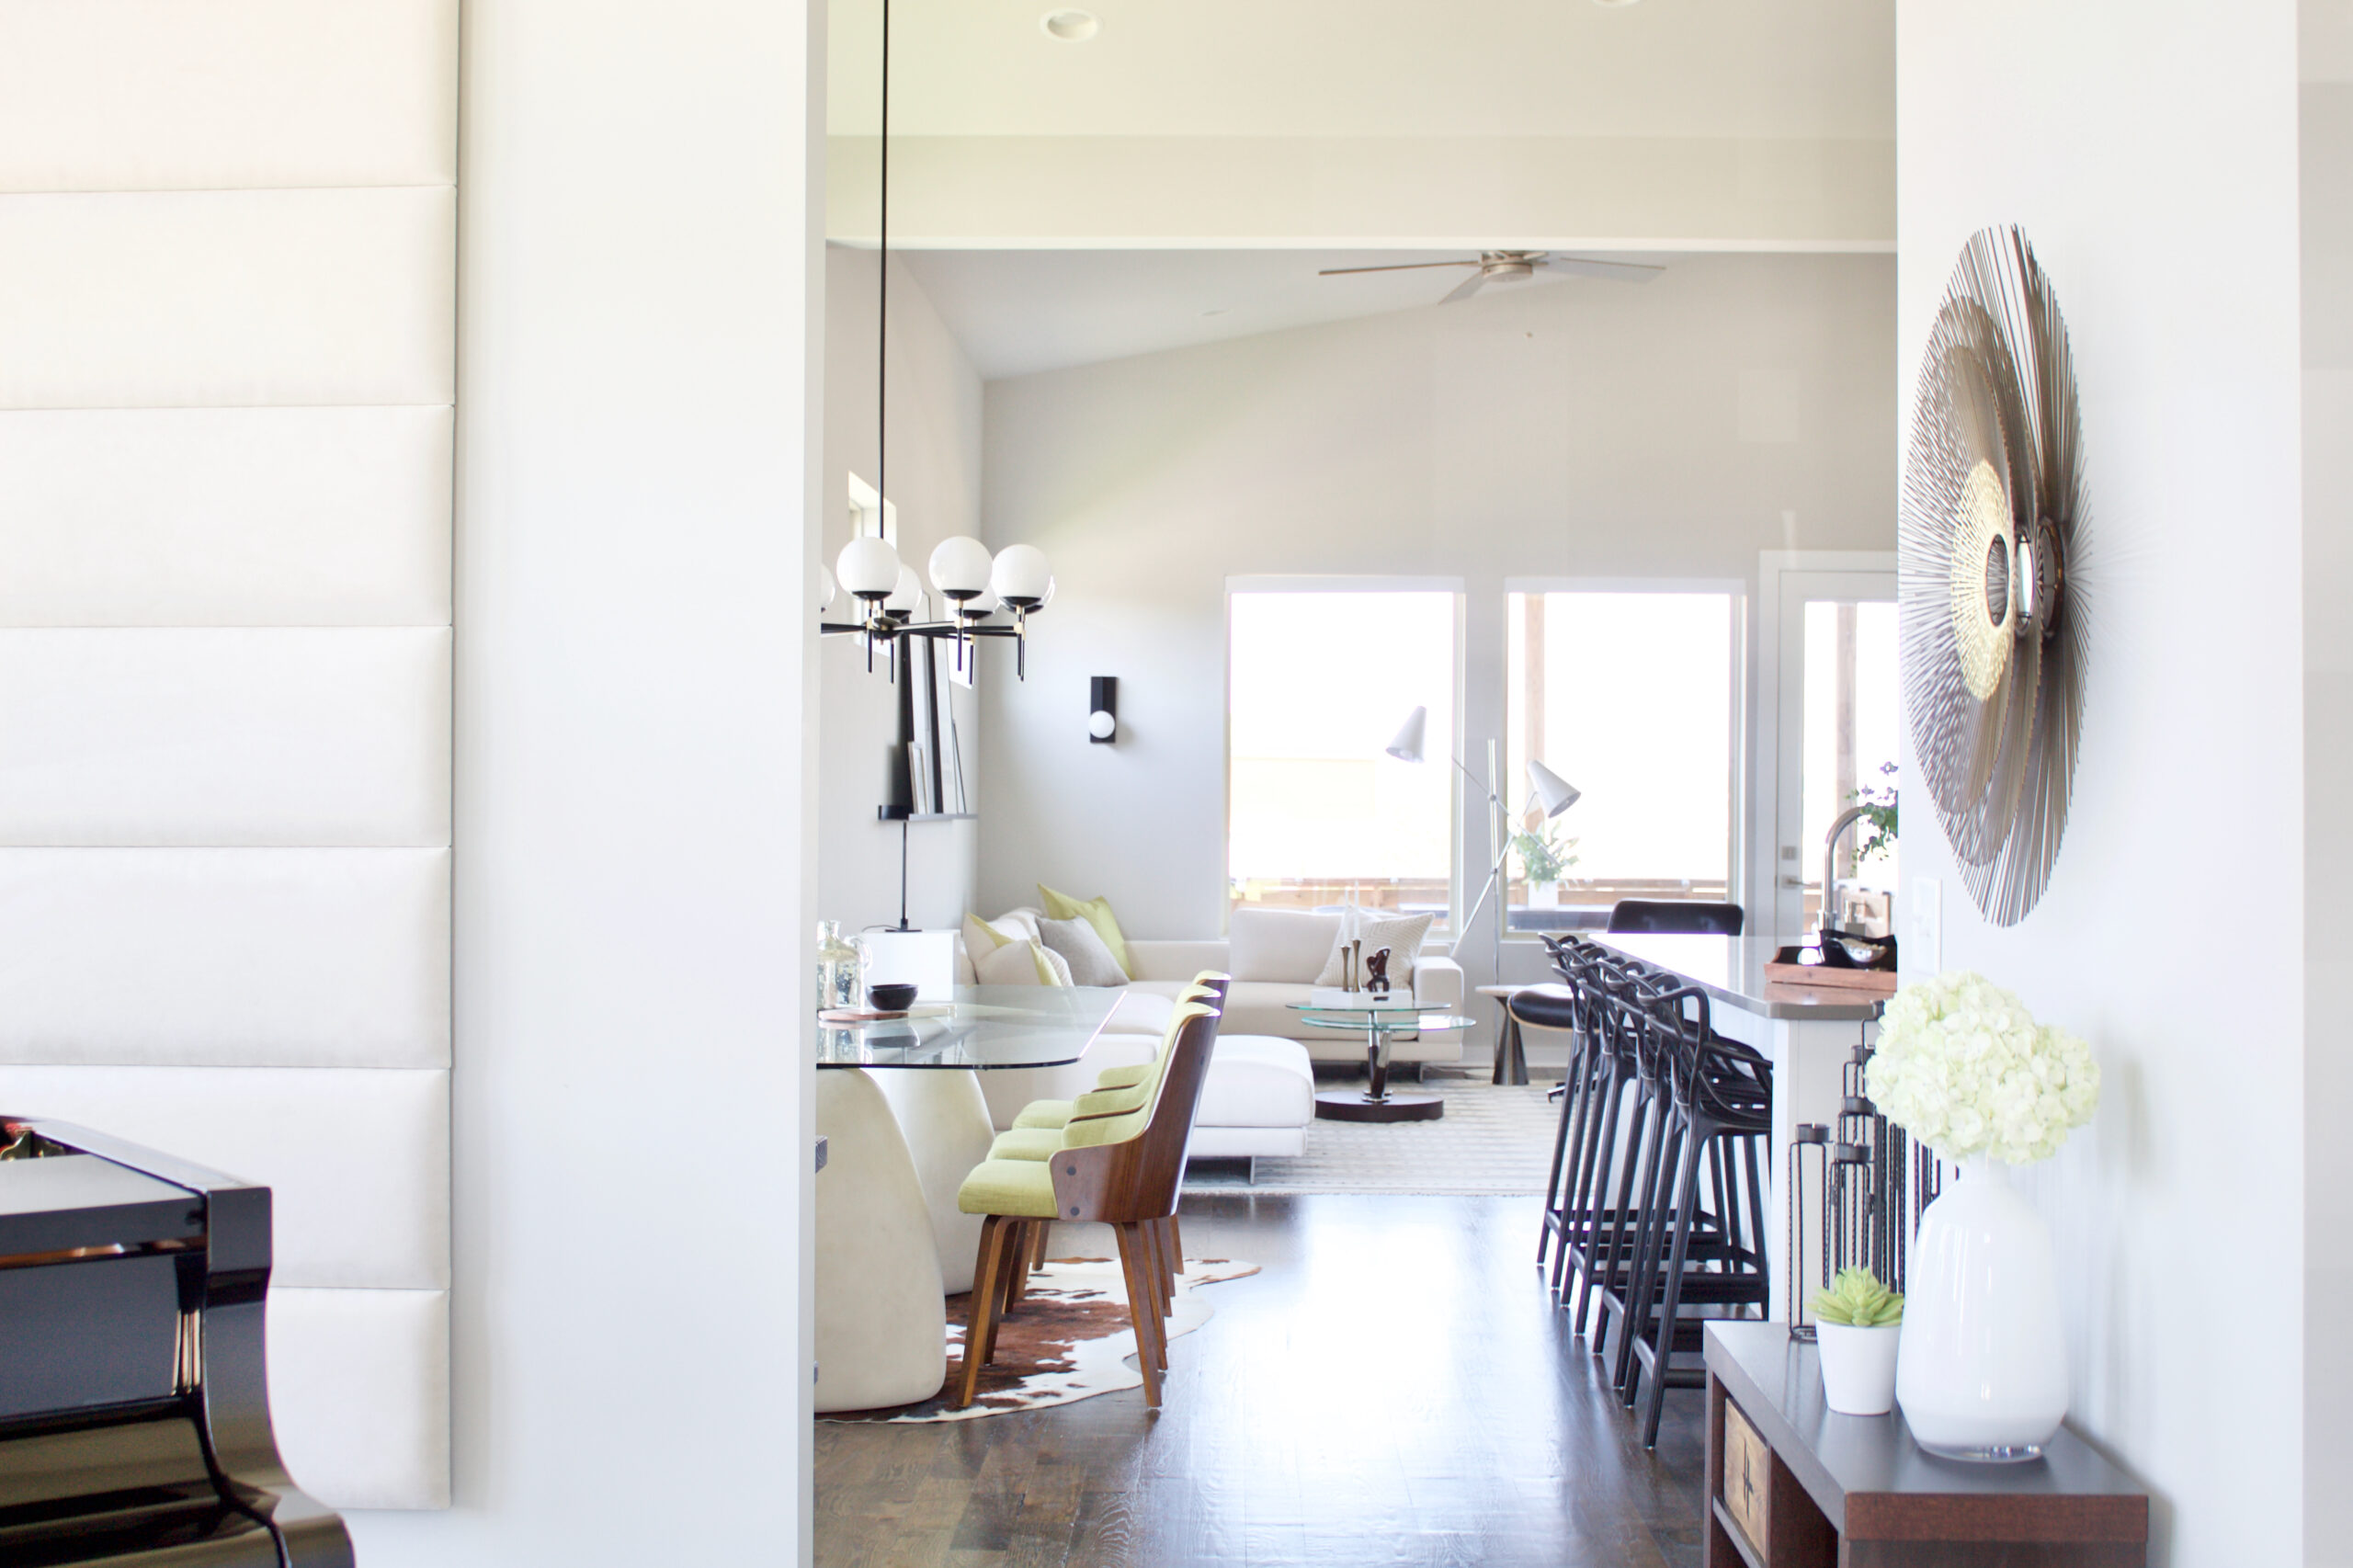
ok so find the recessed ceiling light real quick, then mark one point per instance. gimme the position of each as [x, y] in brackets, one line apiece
[1071, 26]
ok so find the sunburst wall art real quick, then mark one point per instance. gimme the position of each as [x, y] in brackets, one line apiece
[1991, 536]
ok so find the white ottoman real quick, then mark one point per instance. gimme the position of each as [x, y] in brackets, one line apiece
[1259, 1099]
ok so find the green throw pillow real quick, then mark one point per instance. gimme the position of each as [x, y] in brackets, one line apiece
[1096, 912]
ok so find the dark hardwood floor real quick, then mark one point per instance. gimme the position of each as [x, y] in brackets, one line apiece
[1391, 1388]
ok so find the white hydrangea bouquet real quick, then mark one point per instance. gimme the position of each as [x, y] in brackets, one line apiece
[1963, 1067]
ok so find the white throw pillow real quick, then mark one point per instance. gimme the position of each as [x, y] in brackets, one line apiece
[1400, 934]
[1021, 963]
[1286, 946]
[1082, 948]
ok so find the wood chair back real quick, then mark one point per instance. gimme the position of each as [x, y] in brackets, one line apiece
[1135, 1176]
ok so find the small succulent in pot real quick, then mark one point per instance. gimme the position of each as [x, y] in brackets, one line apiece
[1856, 1300]
[1857, 1322]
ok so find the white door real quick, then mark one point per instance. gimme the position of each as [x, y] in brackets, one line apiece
[1835, 737]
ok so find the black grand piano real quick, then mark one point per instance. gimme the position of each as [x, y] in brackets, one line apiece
[134, 1416]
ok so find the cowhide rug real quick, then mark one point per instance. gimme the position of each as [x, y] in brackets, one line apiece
[1070, 1339]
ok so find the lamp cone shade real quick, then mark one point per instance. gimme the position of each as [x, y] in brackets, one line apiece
[1556, 792]
[1407, 745]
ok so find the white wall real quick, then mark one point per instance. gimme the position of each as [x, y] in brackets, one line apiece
[2153, 163]
[640, 304]
[2325, 161]
[1585, 428]
[227, 290]
[935, 481]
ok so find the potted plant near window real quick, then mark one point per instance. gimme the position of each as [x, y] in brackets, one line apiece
[1544, 859]
[1858, 1324]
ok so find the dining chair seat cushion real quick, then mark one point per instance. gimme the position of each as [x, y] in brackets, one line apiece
[1026, 1143]
[1123, 1077]
[1044, 1113]
[1021, 1188]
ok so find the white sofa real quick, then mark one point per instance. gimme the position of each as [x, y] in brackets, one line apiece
[1261, 1089]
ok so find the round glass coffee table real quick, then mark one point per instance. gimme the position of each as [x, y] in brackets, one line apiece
[1379, 1019]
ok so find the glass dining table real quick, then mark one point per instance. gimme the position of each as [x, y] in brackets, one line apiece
[899, 1103]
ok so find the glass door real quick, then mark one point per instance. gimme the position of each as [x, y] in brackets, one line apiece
[1838, 737]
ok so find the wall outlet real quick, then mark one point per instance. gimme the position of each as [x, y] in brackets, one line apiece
[1922, 949]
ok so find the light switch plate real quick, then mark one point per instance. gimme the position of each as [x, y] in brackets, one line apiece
[1922, 951]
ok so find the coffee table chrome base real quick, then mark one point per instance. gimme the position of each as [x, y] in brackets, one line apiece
[1374, 1102]
[1354, 1105]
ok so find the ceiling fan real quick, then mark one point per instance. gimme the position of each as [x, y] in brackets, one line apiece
[1516, 267]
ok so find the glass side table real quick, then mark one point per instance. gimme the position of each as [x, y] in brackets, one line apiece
[1379, 1019]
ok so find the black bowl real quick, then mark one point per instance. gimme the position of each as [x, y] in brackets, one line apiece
[892, 998]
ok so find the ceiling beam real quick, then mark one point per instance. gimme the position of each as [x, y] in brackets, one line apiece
[1216, 192]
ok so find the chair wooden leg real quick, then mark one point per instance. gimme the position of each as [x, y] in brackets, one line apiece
[1169, 1263]
[1140, 1310]
[1037, 1259]
[980, 1328]
[1017, 1270]
[1175, 1244]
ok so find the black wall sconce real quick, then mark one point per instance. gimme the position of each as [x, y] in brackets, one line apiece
[1103, 709]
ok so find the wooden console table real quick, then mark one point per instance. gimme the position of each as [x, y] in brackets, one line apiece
[1857, 1491]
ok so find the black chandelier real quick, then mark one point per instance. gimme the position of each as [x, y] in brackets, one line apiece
[886, 589]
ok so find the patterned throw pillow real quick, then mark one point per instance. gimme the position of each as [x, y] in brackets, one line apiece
[1400, 934]
[1078, 944]
[1096, 912]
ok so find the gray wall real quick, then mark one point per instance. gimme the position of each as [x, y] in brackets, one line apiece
[2158, 183]
[1675, 429]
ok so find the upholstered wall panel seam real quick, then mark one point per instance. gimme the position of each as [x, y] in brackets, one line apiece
[359, 1394]
[235, 958]
[261, 297]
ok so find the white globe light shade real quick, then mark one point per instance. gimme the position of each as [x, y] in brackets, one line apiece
[1101, 724]
[825, 577]
[981, 604]
[960, 567]
[907, 594]
[1021, 575]
[867, 567]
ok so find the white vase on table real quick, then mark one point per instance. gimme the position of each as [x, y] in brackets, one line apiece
[1981, 1372]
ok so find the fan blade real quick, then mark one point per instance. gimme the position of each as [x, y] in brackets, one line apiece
[1616, 271]
[1400, 267]
[1467, 287]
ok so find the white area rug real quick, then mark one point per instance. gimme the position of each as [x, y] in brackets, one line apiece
[1492, 1138]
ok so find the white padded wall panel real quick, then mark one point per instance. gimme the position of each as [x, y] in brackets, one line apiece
[357, 1162]
[218, 736]
[225, 517]
[227, 298]
[359, 1394]
[156, 94]
[228, 958]
[227, 365]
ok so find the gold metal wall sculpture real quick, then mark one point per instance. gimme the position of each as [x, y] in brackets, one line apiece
[1991, 539]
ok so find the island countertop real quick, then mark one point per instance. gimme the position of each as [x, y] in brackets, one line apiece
[1731, 971]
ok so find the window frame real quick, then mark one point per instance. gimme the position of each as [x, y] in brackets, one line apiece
[1341, 582]
[1736, 592]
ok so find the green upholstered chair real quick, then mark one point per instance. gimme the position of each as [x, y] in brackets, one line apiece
[1053, 1114]
[1124, 1170]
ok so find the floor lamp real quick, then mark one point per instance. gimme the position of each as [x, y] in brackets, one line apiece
[1545, 788]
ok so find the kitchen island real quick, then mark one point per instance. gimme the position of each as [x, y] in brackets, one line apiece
[1808, 1033]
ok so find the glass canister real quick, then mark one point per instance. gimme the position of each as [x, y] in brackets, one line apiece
[839, 969]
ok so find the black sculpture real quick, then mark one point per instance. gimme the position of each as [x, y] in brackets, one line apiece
[1376, 972]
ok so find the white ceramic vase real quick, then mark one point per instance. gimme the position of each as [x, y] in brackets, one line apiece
[1857, 1367]
[1981, 1373]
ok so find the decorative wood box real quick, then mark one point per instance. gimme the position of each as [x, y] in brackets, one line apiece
[1768, 1518]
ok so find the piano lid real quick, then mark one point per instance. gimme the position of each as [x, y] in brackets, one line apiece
[63, 1201]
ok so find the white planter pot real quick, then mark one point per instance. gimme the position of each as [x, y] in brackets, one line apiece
[1543, 896]
[1982, 1371]
[1858, 1367]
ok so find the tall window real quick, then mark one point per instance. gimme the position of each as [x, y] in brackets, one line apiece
[1630, 697]
[1317, 683]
